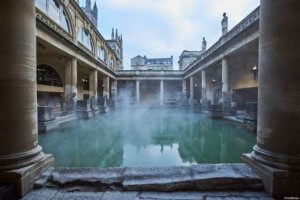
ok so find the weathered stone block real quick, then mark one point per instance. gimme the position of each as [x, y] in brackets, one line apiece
[224, 177]
[157, 179]
[83, 109]
[97, 177]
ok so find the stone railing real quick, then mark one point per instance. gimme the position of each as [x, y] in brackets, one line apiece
[243, 25]
[149, 73]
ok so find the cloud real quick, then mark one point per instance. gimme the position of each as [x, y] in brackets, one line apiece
[160, 28]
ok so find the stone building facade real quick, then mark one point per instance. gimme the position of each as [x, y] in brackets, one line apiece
[187, 57]
[144, 63]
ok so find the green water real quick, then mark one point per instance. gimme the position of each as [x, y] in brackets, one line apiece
[147, 137]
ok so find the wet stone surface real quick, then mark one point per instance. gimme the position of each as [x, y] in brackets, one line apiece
[62, 194]
[195, 182]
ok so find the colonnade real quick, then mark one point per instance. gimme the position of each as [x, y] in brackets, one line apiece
[225, 98]
[275, 157]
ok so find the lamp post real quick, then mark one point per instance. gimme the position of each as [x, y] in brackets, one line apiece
[213, 81]
[254, 71]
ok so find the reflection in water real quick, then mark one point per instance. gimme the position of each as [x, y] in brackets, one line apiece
[147, 137]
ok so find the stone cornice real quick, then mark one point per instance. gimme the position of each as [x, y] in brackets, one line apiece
[239, 28]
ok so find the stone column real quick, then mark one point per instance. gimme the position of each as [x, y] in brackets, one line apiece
[191, 89]
[276, 155]
[225, 99]
[106, 87]
[93, 89]
[91, 84]
[21, 157]
[137, 91]
[95, 84]
[70, 94]
[225, 78]
[184, 86]
[68, 81]
[74, 79]
[114, 89]
[161, 92]
[203, 86]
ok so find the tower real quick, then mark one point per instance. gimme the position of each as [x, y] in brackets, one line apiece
[95, 12]
[92, 14]
[113, 34]
[88, 5]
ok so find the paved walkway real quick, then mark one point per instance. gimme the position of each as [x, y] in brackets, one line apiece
[195, 182]
[54, 194]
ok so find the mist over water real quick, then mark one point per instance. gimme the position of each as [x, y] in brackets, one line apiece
[143, 136]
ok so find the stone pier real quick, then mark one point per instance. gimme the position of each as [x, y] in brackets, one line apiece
[276, 156]
[21, 157]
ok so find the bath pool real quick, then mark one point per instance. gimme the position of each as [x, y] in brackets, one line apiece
[147, 137]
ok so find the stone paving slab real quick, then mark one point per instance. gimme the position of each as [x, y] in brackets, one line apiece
[157, 179]
[178, 182]
[53, 194]
[195, 177]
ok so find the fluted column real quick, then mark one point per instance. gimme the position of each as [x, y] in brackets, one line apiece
[19, 149]
[276, 155]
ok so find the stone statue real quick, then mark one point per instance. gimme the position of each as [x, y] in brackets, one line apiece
[204, 44]
[224, 24]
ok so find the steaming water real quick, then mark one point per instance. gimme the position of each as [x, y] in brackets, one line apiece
[147, 137]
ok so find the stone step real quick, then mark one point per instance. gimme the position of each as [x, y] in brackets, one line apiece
[54, 194]
[205, 177]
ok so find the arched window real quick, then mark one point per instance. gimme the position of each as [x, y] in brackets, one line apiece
[55, 10]
[46, 75]
[111, 62]
[85, 38]
[102, 54]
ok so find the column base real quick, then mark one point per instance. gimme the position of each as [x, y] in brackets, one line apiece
[23, 178]
[104, 109]
[45, 126]
[278, 182]
[226, 106]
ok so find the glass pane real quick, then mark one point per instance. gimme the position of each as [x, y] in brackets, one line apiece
[80, 36]
[41, 4]
[65, 23]
[54, 10]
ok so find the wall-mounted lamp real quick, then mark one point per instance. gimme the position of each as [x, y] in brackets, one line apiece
[254, 71]
[213, 81]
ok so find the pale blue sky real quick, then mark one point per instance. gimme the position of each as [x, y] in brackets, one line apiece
[161, 28]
